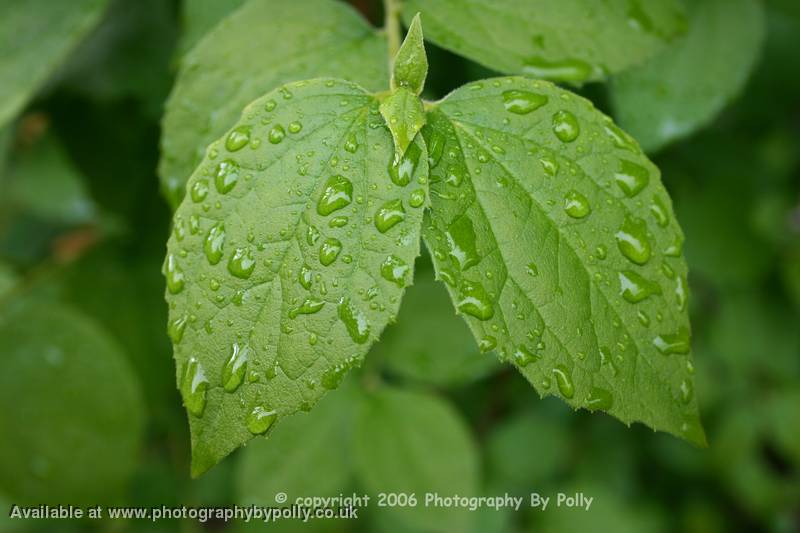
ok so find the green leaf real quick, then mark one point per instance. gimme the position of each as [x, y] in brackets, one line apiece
[72, 404]
[43, 181]
[429, 344]
[405, 116]
[129, 55]
[414, 443]
[200, 16]
[564, 40]
[535, 464]
[304, 456]
[35, 36]
[411, 63]
[8, 279]
[288, 258]
[559, 246]
[258, 47]
[608, 512]
[684, 88]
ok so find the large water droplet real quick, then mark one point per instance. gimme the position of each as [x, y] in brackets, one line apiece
[474, 301]
[260, 419]
[417, 198]
[487, 344]
[436, 143]
[226, 176]
[681, 292]
[565, 126]
[686, 391]
[462, 243]
[389, 215]
[564, 381]
[402, 170]
[308, 307]
[523, 102]
[242, 263]
[620, 139]
[631, 178]
[199, 190]
[599, 399]
[193, 386]
[238, 138]
[214, 243]
[632, 240]
[276, 134]
[337, 194]
[635, 288]
[573, 70]
[351, 144]
[549, 165]
[354, 321]
[176, 328]
[659, 211]
[576, 205]
[455, 175]
[673, 343]
[312, 235]
[523, 356]
[234, 369]
[175, 277]
[394, 270]
[305, 276]
[329, 250]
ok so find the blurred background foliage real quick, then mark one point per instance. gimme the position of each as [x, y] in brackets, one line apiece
[86, 368]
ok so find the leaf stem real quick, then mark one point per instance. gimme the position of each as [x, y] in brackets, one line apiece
[391, 26]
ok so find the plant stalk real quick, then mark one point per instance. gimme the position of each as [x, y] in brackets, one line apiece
[391, 26]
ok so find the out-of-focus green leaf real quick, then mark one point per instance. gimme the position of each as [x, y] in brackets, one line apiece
[714, 196]
[6, 138]
[288, 258]
[562, 40]
[261, 45]
[414, 443]
[8, 279]
[35, 36]
[608, 512]
[686, 86]
[790, 7]
[200, 16]
[784, 419]
[558, 244]
[99, 281]
[790, 273]
[746, 326]
[428, 343]
[524, 452]
[306, 456]
[44, 182]
[72, 405]
[128, 55]
[740, 458]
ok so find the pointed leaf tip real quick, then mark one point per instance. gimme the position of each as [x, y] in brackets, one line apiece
[411, 63]
[405, 116]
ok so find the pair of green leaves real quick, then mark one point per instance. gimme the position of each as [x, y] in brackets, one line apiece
[300, 228]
